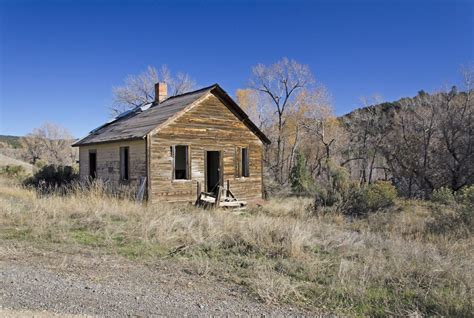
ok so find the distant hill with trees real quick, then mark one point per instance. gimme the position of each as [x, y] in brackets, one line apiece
[12, 141]
[421, 143]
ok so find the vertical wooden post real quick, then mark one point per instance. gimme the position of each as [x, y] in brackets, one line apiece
[218, 196]
[228, 188]
[198, 192]
[221, 168]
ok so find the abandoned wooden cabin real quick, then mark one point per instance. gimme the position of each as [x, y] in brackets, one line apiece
[178, 145]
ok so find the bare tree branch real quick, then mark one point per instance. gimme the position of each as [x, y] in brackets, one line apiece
[140, 89]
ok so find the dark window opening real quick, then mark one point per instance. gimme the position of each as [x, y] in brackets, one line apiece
[181, 163]
[124, 163]
[245, 162]
[93, 164]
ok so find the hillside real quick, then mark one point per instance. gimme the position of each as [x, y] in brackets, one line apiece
[8, 161]
[12, 141]
[388, 108]
[383, 108]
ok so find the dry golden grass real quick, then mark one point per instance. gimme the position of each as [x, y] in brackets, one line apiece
[8, 161]
[386, 264]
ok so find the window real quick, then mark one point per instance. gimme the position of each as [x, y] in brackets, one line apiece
[245, 162]
[124, 163]
[241, 162]
[92, 164]
[180, 162]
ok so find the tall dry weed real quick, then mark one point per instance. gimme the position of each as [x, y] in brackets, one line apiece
[385, 264]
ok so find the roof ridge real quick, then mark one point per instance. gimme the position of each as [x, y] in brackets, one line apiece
[139, 122]
[192, 92]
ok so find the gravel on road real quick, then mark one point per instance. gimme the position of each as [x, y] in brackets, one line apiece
[108, 285]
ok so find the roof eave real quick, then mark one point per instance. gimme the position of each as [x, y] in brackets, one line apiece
[79, 144]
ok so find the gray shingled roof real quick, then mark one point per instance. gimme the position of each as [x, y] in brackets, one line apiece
[136, 124]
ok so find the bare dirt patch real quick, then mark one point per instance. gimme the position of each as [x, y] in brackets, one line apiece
[86, 283]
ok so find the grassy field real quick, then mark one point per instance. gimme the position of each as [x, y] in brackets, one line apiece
[394, 262]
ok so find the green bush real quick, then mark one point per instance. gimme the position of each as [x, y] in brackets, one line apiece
[443, 196]
[466, 210]
[333, 186]
[14, 171]
[301, 180]
[379, 195]
[39, 164]
[51, 176]
[373, 197]
[466, 195]
[453, 214]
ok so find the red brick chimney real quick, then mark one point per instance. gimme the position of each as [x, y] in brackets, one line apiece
[161, 92]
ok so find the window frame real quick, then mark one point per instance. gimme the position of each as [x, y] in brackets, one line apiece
[125, 163]
[187, 160]
[237, 161]
[239, 164]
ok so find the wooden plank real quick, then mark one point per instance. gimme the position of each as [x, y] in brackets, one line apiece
[148, 165]
[218, 198]
[198, 195]
[233, 204]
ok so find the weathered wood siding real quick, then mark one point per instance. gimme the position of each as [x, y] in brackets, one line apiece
[108, 161]
[209, 125]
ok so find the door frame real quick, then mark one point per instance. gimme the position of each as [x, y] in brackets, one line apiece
[221, 167]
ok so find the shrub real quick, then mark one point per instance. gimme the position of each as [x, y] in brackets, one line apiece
[14, 171]
[380, 194]
[51, 176]
[443, 196]
[300, 179]
[326, 197]
[466, 195]
[371, 198]
[466, 210]
[39, 164]
[333, 187]
[452, 221]
[453, 215]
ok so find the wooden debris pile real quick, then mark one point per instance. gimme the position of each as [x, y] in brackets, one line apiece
[222, 197]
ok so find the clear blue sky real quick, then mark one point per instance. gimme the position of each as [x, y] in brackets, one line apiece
[60, 59]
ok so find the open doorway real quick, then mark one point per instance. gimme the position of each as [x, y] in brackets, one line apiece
[92, 164]
[213, 170]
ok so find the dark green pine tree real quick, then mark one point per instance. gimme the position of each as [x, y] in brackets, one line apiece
[301, 181]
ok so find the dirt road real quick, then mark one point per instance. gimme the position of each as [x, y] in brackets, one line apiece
[107, 285]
